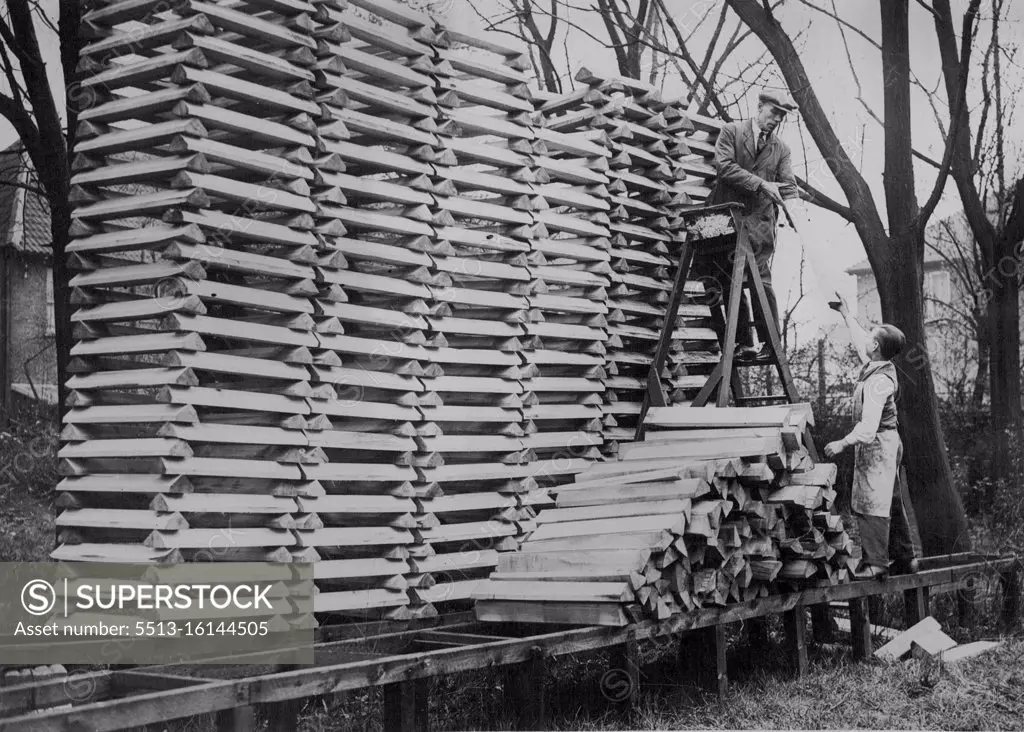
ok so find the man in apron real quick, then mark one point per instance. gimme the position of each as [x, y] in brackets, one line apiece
[879, 496]
[754, 169]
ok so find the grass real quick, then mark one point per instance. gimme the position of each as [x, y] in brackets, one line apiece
[26, 528]
[984, 693]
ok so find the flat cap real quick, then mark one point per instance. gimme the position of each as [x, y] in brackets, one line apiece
[778, 99]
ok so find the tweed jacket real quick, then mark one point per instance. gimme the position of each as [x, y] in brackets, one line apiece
[741, 170]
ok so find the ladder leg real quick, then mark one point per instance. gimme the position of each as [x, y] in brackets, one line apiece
[732, 320]
[654, 394]
[709, 387]
[737, 385]
[788, 385]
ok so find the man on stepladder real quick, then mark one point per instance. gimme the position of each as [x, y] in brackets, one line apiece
[879, 499]
[754, 170]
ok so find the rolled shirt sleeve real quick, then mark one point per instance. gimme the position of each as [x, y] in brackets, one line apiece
[877, 389]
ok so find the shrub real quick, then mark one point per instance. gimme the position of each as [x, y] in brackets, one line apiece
[28, 451]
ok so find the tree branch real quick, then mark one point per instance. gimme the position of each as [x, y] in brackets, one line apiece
[835, 16]
[862, 210]
[688, 58]
[821, 200]
[710, 51]
[958, 107]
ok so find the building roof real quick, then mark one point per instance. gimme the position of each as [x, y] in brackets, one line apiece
[939, 247]
[863, 267]
[24, 214]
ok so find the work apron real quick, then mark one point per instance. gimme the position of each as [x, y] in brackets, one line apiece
[876, 463]
[875, 469]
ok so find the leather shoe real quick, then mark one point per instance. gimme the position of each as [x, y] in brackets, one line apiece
[905, 566]
[765, 355]
[746, 354]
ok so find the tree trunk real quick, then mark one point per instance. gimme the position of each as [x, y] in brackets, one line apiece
[896, 256]
[60, 220]
[1004, 359]
[981, 378]
[939, 510]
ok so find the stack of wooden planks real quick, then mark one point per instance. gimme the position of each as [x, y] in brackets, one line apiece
[341, 297]
[717, 506]
[190, 434]
[445, 185]
[654, 178]
[348, 292]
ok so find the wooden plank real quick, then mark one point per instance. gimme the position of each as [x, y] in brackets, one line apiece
[235, 228]
[264, 64]
[566, 563]
[397, 13]
[140, 138]
[577, 613]
[915, 606]
[111, 518]
[900, 645]
[149, 237]
[256, 161]
[380, 36]
[245, 126]
[380, 69]
[969, 650]
[616, 510]
[152, 36]
[670, 522]
[250, 26]
[556, 591]
[124, 483]
[525, 693]
[647, 540]
[630, 493]
[263, 196]
[621, 683]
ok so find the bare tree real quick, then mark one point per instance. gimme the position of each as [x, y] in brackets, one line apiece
[642, 35]
[996, 236]
[896, 251]
[30, 104]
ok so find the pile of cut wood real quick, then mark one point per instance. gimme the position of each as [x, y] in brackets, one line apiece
[717, 506]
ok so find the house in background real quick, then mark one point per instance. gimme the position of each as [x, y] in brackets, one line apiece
[950, 279]
[28, 360]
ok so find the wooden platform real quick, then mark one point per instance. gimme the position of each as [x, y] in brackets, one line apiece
[402, 657]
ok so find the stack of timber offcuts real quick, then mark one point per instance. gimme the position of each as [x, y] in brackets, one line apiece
[718, 505]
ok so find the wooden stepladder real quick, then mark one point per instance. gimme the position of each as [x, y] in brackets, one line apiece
[724, 379]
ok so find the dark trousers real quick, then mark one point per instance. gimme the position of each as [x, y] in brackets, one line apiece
[895, 538]
[715, 272]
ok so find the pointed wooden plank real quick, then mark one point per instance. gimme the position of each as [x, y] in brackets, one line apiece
[111, 518]
[577, 613]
